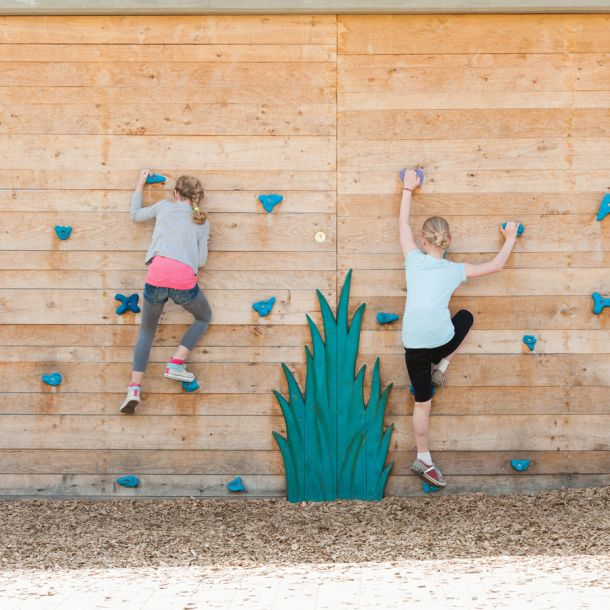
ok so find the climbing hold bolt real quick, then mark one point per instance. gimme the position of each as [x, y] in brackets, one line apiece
[52, 379]
[530, 341]
[418, 170]
[129, 480]
[387, 318]
[520, 229]
[63, 232]
[604, 207]
[599, 302]
[270, 201]
[155, 179]
[520, 465]
[429, 488]
[263, 308]
[129, 303]
[190, 386]
[236, 485]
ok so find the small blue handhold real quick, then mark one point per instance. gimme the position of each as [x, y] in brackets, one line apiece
[429, 488]
[270, 201]
[155, 179]
[520, 228]
[412, 390]
[263, 308]
[190, 386]
[387, 318]
[129, 303]
[530, 341]
[418, 170]
[604, 208]
[236, 485]
[599, 302]
[129, 480]
[63, 232]
[52, 379]
[520, 465]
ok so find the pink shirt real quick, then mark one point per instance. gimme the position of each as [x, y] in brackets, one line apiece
[169, 273]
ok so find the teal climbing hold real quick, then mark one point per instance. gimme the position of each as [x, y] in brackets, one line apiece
[236, 485]
[263, 308]
[412, 390]
[520, 465]
[599, 302]
[604, 208]
[53, 379]
[190, 386]
[520, 229]
[129, 303]
[429, 488]
[155, 179]
[63, 232]
[129, 480]
[530, 341]
[418, 170]
[270, 201]
[387, 318]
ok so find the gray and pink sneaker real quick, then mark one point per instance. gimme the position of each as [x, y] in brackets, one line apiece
[429, 472]
[132, 399]
[178, 372]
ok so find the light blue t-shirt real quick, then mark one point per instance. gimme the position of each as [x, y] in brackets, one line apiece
[430, 284]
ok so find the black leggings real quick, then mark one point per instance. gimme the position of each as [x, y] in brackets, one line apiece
[419, 360]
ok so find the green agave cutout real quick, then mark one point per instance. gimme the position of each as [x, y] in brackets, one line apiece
[335, 445]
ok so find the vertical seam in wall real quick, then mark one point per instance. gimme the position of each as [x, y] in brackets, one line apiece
[336, 227]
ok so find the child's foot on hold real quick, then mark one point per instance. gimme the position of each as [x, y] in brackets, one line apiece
[429, 472]
[176, 369]
[438, 377]
[132, 399]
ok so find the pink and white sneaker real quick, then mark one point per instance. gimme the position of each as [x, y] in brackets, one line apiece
[429, 472]
[178, 372]
[132, 399]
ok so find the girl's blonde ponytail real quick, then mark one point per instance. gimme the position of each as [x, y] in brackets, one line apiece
[436, 232]
[189, 187]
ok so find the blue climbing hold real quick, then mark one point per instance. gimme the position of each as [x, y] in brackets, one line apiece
[236, 485]
[129, 480]
[418, 170]
[520, 229]
[412, 390]
[190, 386]
[604, 208]
[63, 232]
[530, 341]
[263, 308]
[52, 379]
[599, 302]
[270, 201]
[155, 179]
[429, 488]
[129, 303]
[387, 318]
[520, 465]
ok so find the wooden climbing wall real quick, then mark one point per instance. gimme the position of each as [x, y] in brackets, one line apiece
[508, 115]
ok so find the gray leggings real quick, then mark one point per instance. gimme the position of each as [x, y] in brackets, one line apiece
[193, 301]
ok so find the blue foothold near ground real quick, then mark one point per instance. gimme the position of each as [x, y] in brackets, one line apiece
[270, 201]
[155, 179]
[412, 390]
[429, 488]
[604, 207]
[418, 170]
[263, 308]
[599, 303]
[530, 341]
[129, 303]
[129, 480]
[63, 232]
[520, 465]
[236, 485]
[387, 318]
[53, 379]
[190, 386]
[520, 229]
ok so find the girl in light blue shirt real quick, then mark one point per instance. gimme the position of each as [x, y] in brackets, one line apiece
[430, 336]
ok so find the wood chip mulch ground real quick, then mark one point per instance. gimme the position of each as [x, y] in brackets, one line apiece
[55, 534]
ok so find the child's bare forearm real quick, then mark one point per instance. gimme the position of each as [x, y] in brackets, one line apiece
[503, 255]
[405, 208]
